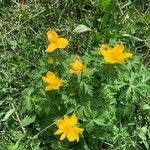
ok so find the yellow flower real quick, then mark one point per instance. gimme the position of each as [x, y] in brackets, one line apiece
[115, 55]
[54, 83]
[67, 128]
[50, 60]
[77, 67]
[55, 42]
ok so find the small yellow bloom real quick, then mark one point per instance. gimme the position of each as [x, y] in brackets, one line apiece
[55, 42]
[50, 60]
[54, 83]
[67, 129]
[114, 55]
[77, 67]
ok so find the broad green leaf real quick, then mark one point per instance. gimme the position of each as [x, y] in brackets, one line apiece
[2, 101]
[27, 99]
[16, 146]
[10, 147]
[8, 114]
[28, 120]
[144, 130]
[105, 3]
[146, 144]
[146, 107]
[81, 29]
[141, 135]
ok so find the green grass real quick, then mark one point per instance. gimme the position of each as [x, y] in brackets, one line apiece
[23, 27]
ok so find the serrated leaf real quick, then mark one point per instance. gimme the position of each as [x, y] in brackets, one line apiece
[28, 120]
[8, 114]
[87, 88]
[81, 29]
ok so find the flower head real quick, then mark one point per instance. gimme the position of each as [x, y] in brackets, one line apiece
[77, 66]
[54, 83]
[55, 41]
[114, 55]
[67, 128]
[50, 60]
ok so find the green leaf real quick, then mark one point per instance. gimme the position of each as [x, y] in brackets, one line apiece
[146, 144]
[144, 130]
[27, 103]
[105, 3]
[28, 91]
[8, 114]
[81, 29]
[146, 107]
[99, 121]
[27, 99]
[90, 126]
[10, 147]
[28, 120]
[16, 146]
[141, 135]
[87, 88]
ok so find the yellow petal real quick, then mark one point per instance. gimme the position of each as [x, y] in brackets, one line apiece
[63, 136]
[77, 137]
[77, 65]
[48, 88]
[108, 58]
[44, 79]
[50, 75]
[59, 131]
[62, 43]
[71, 135]
[56, 84]
[73, 120]
[61, 123]
[118, 49]
[128, 55]
[79, 130]
[71, 71]
[51, 47]
[52, 36]
[104, 52]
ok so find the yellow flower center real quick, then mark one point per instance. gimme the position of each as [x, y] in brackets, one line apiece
[67, 128]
